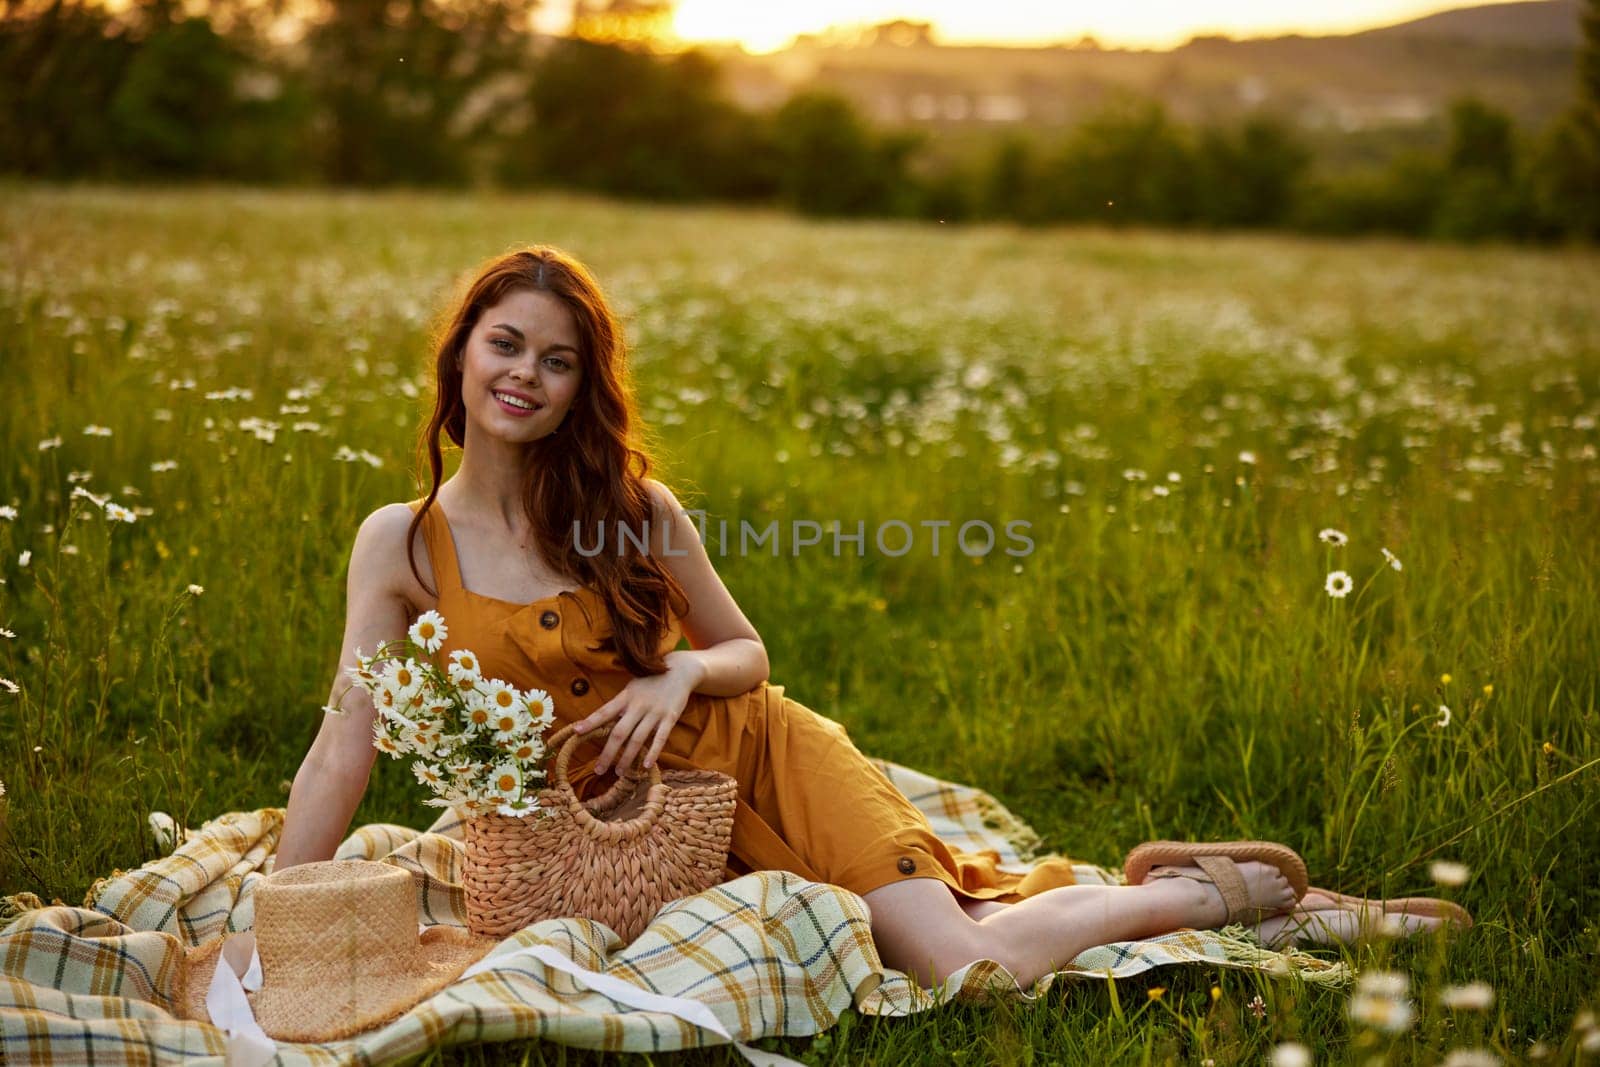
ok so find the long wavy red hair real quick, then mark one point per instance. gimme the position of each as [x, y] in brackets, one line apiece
[591, 470]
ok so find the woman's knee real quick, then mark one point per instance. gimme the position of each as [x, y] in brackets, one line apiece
[920, 929]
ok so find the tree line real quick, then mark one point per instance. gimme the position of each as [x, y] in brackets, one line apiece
[423, 92]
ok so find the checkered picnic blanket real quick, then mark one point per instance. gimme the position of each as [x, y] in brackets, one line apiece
[769, 953]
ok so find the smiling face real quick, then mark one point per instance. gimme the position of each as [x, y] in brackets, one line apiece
[521, 367]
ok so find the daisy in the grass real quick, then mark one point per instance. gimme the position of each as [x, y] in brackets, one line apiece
[476, 743]
[1330, 536]
[1339, 585]
[1390, 556]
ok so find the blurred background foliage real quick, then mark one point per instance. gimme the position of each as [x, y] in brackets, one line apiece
[461, 94]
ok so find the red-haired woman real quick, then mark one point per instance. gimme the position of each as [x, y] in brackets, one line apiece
[532, 383]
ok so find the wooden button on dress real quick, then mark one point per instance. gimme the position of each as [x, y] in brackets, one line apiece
[549, 619]
[907, 864]
[580, 686]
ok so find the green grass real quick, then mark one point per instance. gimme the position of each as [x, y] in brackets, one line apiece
[1157, 666]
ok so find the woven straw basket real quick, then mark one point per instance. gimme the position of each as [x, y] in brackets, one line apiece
[570, 860]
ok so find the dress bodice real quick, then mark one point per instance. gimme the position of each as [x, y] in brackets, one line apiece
[563, 643]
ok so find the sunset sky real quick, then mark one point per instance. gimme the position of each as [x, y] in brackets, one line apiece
[766, 27]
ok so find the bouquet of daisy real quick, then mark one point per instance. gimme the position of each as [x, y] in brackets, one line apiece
[476, 742]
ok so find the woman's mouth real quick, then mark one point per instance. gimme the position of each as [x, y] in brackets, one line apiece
[512, 405]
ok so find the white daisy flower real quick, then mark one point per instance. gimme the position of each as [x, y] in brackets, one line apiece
[518, 807]
[9, 686]
[1339, 584]
[540, 707]
[1444, 717]
[25, 557]
[97, 431]
[1381, 1013]
[195, 590]
[1290, 1054]
[478, 712]
[1390, 556]
[429, 631]
[8, 513]
[164, 465]
[505, 780]
[383, 742]
[509, 724]
[429, 774]
[404, 677]
[118, 513]
[1247, 457]
[50, 442]
[500, 696]
[1474, 996]
[526, 750]
[6, 633]
[1133, 474]
[462, 768]
[1329, 535]
[1449, 872]
[1160, 490]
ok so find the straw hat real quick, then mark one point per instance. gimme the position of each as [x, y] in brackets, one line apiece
[339, 950]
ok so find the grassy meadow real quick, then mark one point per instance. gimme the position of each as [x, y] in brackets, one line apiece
[1176, 416]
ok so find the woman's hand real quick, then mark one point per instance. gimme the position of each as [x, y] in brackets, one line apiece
[644, 711]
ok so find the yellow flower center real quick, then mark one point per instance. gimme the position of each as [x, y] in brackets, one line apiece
[503, 698]
[506, 723]
[479, 716]
[506, 783]
[426, 630]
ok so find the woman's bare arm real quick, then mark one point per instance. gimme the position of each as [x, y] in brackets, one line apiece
[333, 776]
[726, 656]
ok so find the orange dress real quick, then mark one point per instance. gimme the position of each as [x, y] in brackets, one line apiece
[809, 801]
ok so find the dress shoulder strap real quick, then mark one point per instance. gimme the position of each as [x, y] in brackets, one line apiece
[441, 547]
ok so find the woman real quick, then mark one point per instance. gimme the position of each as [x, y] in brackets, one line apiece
[532, 383]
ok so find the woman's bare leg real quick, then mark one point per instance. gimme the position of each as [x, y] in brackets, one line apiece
[920, 928]
[1321, 920]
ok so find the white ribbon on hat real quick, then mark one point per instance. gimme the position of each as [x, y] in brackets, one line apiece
[690, 1011]
[249, 1045]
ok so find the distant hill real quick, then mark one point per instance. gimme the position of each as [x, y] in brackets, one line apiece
[1540, 23]
[1361, 95]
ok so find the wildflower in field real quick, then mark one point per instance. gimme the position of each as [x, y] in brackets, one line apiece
[1449, 873]
[463, 667]
[1390, 984]
[429, 631]
[346, 454]
[162, 414]
[1160, 490]
[118, 513]
[69, 550]
[7, 634]
[1471, 1057]
[195, 590]
[80, 493]
[25, 557]
[1390, 556]
[1258, 1007]
[508, 725]
[1389, 1014]
[77, 477]
[1338, 585]
[1247, 457]
[1445, 679]
[1133, 474]
[8, 513]
[1290, 1054]
[1474, 996]
[2, 789]
[1333, 537]
[1549, 749]
[161, 465]
[92, 430]
[505, 780]
[1488, 690]
[1444, 717]
[9, 686]
[429, 774]
[50, 442]
[1174, 477]
[1156, 992]
[478, 712]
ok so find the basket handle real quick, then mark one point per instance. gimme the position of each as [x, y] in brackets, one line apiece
[564, 741]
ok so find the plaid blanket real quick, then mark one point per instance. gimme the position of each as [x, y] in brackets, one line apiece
[768, 953]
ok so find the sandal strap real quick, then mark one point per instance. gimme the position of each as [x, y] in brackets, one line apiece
[1224, 874]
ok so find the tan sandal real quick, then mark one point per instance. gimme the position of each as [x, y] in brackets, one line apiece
[1140, 862]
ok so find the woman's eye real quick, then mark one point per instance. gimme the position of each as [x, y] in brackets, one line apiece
[559, 362]
[502, 341]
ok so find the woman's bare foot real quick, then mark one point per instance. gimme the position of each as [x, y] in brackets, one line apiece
[1268, 890]
[1321, 920]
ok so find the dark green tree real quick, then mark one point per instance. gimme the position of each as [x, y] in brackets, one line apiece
[1129, 163]
[1248, 174]
[834, 164]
